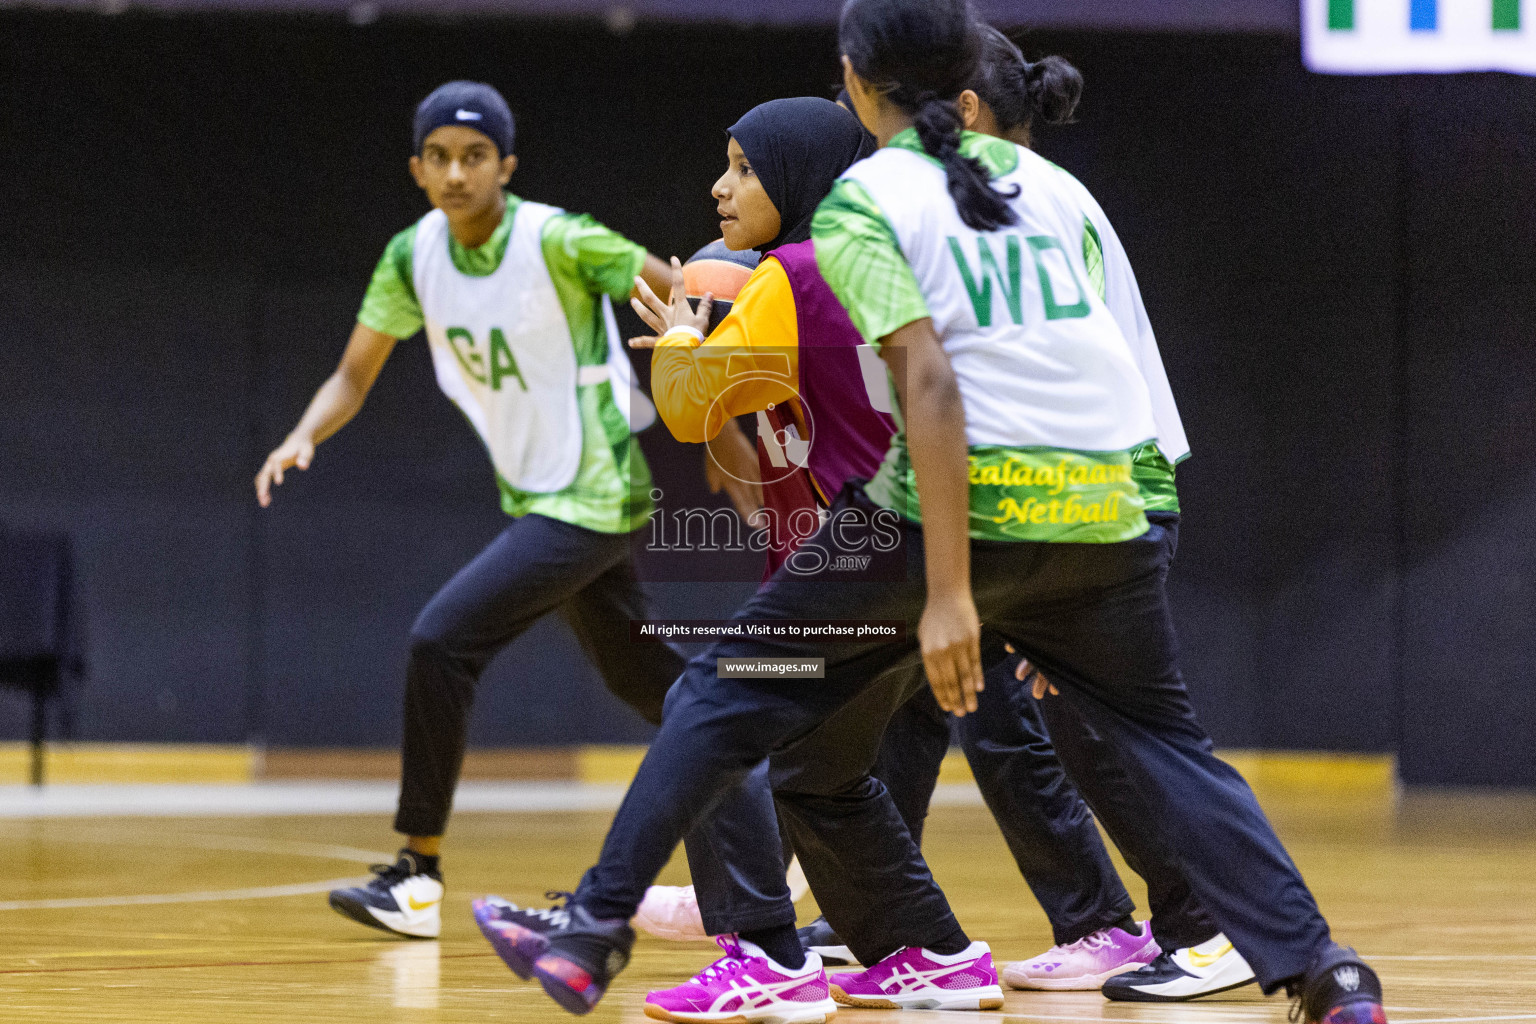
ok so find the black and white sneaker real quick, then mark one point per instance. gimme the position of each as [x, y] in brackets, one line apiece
[574, 955]
[1180, 974]
[404, 898]
[819, 938]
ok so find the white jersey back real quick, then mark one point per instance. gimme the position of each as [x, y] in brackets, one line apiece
[1040, 359]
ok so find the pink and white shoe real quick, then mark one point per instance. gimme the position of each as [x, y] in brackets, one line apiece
[1084, 965]
[671, 912]
[918, 979]
[746, 987]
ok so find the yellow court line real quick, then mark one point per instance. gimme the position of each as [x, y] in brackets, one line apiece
[218, 764]
[1315, 771]
[69, 762]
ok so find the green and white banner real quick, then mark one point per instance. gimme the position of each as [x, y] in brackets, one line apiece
[1376, 37]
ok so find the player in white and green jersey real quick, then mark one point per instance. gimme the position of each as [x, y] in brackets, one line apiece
[1018, 765]
[968, 254]
[1022, 404]
[515, 299]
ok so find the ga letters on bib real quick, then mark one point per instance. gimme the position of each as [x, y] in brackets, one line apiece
[490, 368]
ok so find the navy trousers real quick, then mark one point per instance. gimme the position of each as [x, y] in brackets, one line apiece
[739, 877]
[535, 566]
[1017, 748]
[1100, 775]
[1094, 617]
[1018, 768]
[1049, 829]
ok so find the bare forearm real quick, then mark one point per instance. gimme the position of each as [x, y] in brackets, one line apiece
[342, 394]
[658, 275]
[334, 404]
[935, 418]
[337, 401]
[949, 631]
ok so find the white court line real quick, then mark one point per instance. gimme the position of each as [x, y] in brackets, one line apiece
[282, 798]
[331, 798]
[243, 844]
[259, 893]
[957, 794]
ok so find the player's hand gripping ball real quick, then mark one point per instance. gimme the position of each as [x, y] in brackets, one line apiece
[717, 271]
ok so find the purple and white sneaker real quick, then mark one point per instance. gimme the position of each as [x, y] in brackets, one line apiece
[520, 935]
[1084, 965]
[746, 987]
[572, 954]
[919, 979]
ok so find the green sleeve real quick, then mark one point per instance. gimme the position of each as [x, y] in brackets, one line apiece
[1093, 256]
[390, 306]
[578, 248]
[858, 255]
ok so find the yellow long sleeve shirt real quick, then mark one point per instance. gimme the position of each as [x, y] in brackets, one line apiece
[749, 363]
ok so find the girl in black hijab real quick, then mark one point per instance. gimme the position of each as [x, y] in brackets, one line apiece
[786, 350]
[797, 148]
[788, 354]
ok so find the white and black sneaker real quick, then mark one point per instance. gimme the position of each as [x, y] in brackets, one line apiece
[1180, 974]
[404, 898]
[819, 938]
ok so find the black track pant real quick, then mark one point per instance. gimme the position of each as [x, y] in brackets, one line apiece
[1095, 618]
[1048, 828]
[535, 566]
[1018, 765]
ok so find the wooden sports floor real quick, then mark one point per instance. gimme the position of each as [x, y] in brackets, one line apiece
[224, 920]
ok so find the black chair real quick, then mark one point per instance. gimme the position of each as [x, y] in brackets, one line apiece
[39, 625]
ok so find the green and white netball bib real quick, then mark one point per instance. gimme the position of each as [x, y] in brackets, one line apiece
[1056, 400]
[503, 352]
[1038, 356]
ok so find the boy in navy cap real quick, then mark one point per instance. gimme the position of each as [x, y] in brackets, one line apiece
[514, 297]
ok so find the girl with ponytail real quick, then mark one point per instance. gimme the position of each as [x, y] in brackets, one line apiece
[966, 260]
[912, 70]
[1006, 96]
[1008, 486]
[1008, 93]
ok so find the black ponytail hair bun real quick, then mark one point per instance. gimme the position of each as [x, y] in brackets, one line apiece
[1055, 87]
[922, 54]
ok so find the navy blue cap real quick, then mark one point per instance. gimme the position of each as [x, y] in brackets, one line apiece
[469, 105]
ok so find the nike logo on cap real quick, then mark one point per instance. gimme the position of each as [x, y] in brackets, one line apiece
[466, 115]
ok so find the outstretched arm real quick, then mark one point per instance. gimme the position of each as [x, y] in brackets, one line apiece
[949, 631]
[337, 401]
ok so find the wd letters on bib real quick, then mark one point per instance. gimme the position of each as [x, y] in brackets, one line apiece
[1055, 455]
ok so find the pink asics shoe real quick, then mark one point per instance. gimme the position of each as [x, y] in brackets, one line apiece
[917, 979]
[671, 912]
[746, 987]
[1084, 965]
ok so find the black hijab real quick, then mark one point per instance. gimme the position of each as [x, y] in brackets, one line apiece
[798, 147]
